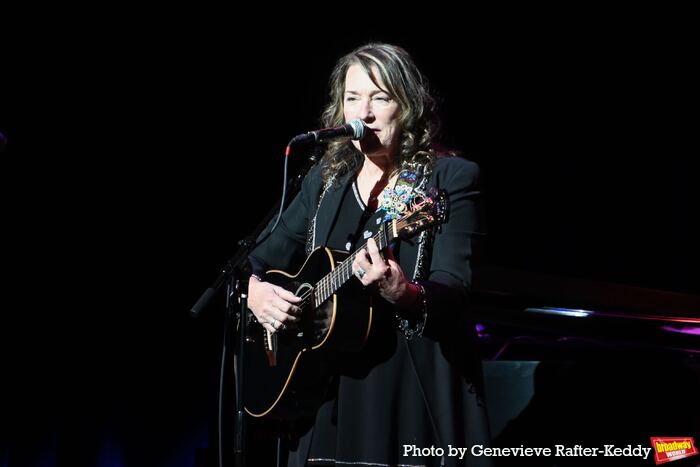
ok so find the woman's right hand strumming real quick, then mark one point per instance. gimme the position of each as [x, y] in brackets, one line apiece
[274, 307]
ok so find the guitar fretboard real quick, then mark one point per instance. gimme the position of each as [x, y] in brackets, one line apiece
[335, 279]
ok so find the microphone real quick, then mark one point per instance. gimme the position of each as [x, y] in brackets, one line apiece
[354, 129]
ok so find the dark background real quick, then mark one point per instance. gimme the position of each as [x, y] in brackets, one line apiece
[143, 145]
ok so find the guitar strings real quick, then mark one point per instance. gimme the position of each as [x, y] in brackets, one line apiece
[344, 266]
[327, 280]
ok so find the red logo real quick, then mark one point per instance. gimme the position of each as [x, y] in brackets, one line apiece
[672, 449]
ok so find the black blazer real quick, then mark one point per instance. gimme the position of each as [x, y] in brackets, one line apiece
[446, 260]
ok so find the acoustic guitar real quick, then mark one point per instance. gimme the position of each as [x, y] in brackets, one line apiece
[286, 371]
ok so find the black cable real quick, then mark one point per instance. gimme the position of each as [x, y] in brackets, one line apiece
[284, 194]
[221, 397]
[425, 401]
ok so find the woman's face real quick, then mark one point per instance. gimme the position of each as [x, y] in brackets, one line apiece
[371, 104]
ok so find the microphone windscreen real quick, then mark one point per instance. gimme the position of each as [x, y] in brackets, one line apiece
[358, 128]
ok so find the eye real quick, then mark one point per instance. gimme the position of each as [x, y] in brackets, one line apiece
[383, 98]
[350, 99]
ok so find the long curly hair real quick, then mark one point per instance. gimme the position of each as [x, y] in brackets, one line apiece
[418, 119]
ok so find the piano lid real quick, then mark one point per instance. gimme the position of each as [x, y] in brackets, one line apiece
[517, 306]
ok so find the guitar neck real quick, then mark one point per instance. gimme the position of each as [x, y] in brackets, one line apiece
[335, 279]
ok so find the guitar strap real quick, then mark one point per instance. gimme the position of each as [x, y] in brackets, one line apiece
[397, 199]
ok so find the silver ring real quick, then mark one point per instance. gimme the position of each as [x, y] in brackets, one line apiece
[360, 273]
[273, 323]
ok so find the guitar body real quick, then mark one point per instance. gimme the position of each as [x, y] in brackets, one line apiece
[288, 372]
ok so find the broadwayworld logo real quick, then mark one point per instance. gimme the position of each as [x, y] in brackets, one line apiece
[672, 449]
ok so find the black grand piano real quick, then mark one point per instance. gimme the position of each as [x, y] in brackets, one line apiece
[572, 361]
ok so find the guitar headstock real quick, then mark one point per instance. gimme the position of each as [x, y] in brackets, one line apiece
[424, 212]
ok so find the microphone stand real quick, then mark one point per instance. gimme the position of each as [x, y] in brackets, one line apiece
[234, 274]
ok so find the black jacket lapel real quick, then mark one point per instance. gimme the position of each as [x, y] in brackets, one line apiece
[328, 210]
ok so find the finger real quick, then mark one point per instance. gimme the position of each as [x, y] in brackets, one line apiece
[373, 251]
[276, 323]
[378, 264]
[389, 255]
[388, 273]
[283, 300]
[277, 316]
[284, 308]
[277, 326]
[392, 275]
[392, 264]
[281, 321]
[360, 268]
[286, 294]
[365, 262]
[361, 263]
[363, 255]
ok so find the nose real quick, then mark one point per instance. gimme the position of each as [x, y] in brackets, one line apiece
[365, 111]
